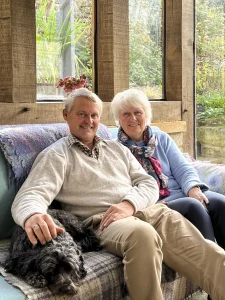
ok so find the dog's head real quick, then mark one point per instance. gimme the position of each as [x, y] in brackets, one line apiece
[62, 267]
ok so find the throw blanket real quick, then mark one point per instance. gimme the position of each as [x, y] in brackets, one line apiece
[104, 277]
[144, 154]
[22, 144]
[104, 280]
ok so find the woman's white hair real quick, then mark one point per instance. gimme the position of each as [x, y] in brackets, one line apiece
[82, 92]
[131, 98]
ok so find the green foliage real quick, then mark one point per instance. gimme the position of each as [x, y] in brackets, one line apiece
[53, 39]
[210, 62]
[146, 46]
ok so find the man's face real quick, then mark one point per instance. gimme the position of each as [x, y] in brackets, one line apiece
[83, 120]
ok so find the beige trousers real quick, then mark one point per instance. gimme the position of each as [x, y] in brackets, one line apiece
[164, 235]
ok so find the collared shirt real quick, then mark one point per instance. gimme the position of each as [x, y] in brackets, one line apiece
[87, 151]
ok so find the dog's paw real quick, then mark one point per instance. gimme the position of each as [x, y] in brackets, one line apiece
[36, 280]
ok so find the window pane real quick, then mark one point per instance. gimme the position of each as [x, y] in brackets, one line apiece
[63, 41]
[146, 46]
[210, 79]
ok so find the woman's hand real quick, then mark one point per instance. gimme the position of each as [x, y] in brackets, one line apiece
[196, 193]
[41, 227]
[116, 212]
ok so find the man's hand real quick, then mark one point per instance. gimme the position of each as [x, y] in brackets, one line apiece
[41, 227]
[116, 212]
[196, 193]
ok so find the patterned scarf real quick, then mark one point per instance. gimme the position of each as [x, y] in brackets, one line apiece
[144, 155]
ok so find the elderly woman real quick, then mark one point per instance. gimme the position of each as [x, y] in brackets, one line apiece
[179, 184]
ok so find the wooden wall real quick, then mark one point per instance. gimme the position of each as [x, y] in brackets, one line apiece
[18, 62]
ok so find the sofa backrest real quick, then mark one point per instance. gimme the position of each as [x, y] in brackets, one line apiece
[19, 146]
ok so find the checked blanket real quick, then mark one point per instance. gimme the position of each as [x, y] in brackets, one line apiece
[104, 280]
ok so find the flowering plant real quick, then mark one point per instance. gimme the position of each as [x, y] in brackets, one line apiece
[71, 83]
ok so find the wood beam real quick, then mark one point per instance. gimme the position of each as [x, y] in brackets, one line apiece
[17, 51]
[28, 113]
[179, 67]
[112, 47]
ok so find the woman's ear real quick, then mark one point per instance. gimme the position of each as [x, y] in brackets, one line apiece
[65, 114]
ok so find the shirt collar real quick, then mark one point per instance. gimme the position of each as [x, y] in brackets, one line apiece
[72, 140]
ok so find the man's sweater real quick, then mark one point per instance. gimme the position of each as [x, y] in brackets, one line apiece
[85, 185]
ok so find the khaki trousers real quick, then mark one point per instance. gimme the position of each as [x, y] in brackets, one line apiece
[164, 235]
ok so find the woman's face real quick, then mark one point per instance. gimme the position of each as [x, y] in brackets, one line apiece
[133, 122]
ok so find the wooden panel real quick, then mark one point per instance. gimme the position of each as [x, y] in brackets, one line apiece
[30, 113]
[188, 98]
[18, 51]
[171, 127]
[5, 51]
[112, 47]
[179, 62]
[173, 82]
[36, 113]
[162, 111]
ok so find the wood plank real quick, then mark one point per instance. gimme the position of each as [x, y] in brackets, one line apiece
[6, 73]
[112, 47]
[179, 67]
[162, 111]
[188, 97]
[17, 51]
[37, 113]
[173, 55]
[30, 113]
[171, 127]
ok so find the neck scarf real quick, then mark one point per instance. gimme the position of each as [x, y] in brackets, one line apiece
[144, 155]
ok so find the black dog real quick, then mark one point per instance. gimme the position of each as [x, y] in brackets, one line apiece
[58, 264]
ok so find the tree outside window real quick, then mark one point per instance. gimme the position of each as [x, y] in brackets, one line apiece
[63, 43]
[210, 79]
[146, 46]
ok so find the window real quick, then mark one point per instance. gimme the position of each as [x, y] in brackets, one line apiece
[63, 43]
[210, 79]
[146, 46]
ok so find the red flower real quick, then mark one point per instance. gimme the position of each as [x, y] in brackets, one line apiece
[71, 83]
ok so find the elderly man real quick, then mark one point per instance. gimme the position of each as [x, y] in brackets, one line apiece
[104, 185]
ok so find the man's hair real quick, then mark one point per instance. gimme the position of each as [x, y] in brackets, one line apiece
[131, 98]
[82, 92]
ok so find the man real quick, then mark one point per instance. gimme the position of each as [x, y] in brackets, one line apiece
[105, 186]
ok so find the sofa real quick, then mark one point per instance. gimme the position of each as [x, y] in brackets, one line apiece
[19, 145]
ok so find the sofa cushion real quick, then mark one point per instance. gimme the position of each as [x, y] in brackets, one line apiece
[9, 292]
[211, 174]
[7, 194]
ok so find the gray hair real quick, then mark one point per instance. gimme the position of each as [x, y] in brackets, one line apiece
[131, 98]
[82, 92]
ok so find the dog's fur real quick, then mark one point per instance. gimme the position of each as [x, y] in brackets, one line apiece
[59, 263]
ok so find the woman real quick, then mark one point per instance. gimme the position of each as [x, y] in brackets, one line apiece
[179, 184]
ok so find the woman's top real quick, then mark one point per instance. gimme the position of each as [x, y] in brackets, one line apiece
[180, 173]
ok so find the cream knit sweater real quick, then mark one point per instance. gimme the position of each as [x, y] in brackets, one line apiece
[84, 185]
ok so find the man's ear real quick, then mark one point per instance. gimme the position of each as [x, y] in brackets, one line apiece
[65, 114]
